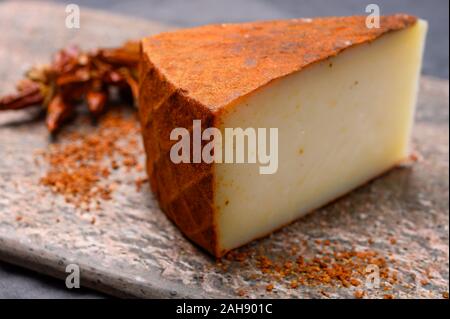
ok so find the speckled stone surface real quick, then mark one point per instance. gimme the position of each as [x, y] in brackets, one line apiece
[133, 250]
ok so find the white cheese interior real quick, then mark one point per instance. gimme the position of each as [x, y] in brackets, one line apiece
[340, 122]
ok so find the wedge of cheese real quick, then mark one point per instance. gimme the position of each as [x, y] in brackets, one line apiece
[341, 95]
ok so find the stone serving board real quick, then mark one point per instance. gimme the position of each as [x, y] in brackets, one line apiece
[133, 250]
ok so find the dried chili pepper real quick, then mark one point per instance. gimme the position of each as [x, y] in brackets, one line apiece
[27, 95]
[74, 76]
[96, 101]
[57, 112]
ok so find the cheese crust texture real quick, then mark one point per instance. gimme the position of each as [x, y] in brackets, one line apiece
[341, 95]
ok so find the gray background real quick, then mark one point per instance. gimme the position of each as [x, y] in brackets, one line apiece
[188, 13]
[19, 283]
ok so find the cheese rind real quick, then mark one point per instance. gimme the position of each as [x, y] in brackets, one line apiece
[311, 79]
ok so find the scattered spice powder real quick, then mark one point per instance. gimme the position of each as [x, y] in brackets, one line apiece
[269, 287]
[324, 263]
[79, 168]
[424, 282]
[241, 292]
[294, 284]
[359, 294]
[355, 282]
